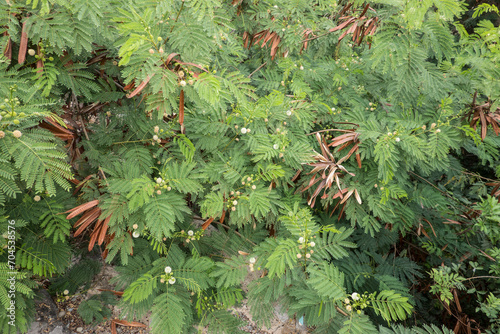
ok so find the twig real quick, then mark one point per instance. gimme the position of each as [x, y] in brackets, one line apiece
[258, 68]
[468, 279]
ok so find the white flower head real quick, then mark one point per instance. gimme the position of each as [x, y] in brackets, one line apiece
[252, 260]
[156, 129]
[171, 280]
[301, 67]
[289, 113]
[159, 180]
[182, 83]
[348, 308]
[136, 234]
[66, 292]
[346, 301]
[155, 137]
[243, 130]
[276, 146]
[135, 226]
[235, 202]
[190, 233]
[312, 244]
[37, 198]
[168, 270]
[299, 256]
[301, 240]
[254, 187]
[397, 139]
[355, 296]
[31, 52]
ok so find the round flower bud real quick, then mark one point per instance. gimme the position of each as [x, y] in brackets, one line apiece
[424, 127]
[190, 233]
[136, 234]
[66, 292]
[346, 301]
[288, 112]
[235, 202]
[182, 83]
[252, 260]
[299, 256]
[159, 180]
[171, 280]
[276, 146]
[433, 125]
[160, 50]
[2, 134]
[438, 130]
[301, 240]
[36, 198]
[233, 208]
[397, 139]
[254, 187]
[17, 134]
[355, 296]
[312, 244]
[348, 308]
[155, 137]
[162, 280]
[169, 188]
[248, 130]
[135, 226]
[301, 67]
[158, 192]
[31, 52]
[156, 129]
[243, 130]
[168, 270]
[151, 51]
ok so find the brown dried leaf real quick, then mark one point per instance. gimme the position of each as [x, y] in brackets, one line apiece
[23, 45]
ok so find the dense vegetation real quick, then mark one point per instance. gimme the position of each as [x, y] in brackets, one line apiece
[348, 152]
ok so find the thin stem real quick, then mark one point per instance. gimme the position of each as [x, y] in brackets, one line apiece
[258, 68]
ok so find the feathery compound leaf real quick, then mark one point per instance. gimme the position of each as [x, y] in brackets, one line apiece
[391, 306]
[358, 324]
[284, 256]
[171, 312]
[230, 272]
[327, 280]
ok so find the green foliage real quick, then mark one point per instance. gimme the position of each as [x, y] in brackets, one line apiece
[94, 310]
[200, 130]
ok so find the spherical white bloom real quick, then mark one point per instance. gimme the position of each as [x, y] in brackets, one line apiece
[308, 255]
[398, 139]
[17, 134]
[156, 129]
[299, 256]
[288, 112]
[136, 234]
[155, 137]
[348, 308]
[312, 244]
[135, 226]
[438, 130]
[37, 198]
[233, 208]
[252, 260]
[182, 83]
[31, 52]
[333, 109]
[254, 187]
[168, 270]
[276, 146]
[347, 301]
[355, 296]
[159, 180]
[301, 67]
[190, 233]
[243, 130]
[301, 240]
[235, 202]
[171, 280]
[66, 292]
